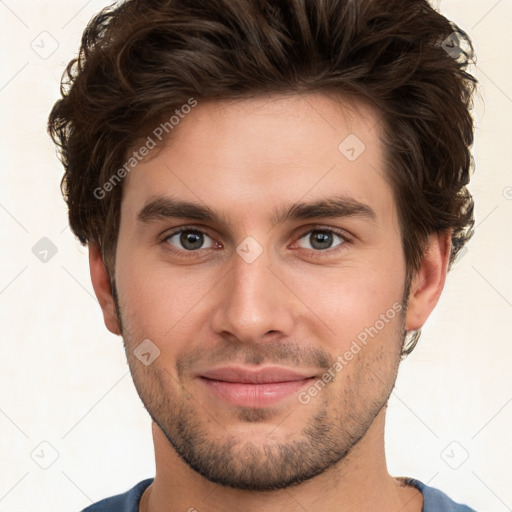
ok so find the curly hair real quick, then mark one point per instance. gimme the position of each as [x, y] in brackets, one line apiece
[141, 59]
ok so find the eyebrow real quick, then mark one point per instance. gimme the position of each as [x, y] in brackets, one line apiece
[339, 206]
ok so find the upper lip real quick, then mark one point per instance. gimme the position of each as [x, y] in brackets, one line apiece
[244, 375]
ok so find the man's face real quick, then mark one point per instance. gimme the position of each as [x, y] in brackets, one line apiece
[251, 308]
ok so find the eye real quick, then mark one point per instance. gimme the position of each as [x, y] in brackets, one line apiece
[189, 240]
[322, 239]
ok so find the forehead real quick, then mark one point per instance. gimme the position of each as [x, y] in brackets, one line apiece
[245, 156]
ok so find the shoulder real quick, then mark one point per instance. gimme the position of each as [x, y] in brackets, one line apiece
[435, 500]
[126, 502]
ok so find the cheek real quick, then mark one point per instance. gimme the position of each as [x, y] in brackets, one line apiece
[365, 315]
[351, 299]
[159, 303]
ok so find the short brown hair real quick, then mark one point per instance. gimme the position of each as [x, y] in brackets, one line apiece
[142, 59]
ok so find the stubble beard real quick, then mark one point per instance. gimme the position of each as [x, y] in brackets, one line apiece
[280, 461]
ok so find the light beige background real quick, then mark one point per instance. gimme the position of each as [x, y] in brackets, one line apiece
[64, 379]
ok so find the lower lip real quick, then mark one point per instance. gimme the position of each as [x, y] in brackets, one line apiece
[254, 395]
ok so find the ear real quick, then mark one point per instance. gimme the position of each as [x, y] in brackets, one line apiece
[428, 281]
[102, 289]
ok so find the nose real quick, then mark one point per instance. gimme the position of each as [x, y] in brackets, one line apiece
[254, 302]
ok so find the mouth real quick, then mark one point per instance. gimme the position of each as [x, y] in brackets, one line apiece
[260, 387]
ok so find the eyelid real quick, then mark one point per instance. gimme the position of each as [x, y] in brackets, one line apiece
[202, 230]
[338, 231]
[178, 229]
[310, 229]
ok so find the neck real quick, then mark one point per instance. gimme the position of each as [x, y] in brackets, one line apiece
[359, 482]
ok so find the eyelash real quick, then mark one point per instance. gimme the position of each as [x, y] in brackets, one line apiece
[314, 253]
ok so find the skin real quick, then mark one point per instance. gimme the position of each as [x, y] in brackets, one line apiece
[295, 305]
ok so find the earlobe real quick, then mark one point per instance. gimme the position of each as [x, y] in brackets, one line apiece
[102, 288]
[428, 281]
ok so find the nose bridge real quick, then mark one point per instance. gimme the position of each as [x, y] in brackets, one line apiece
[253, 301]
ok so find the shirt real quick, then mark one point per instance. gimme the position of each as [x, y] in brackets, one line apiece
[433, 500]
